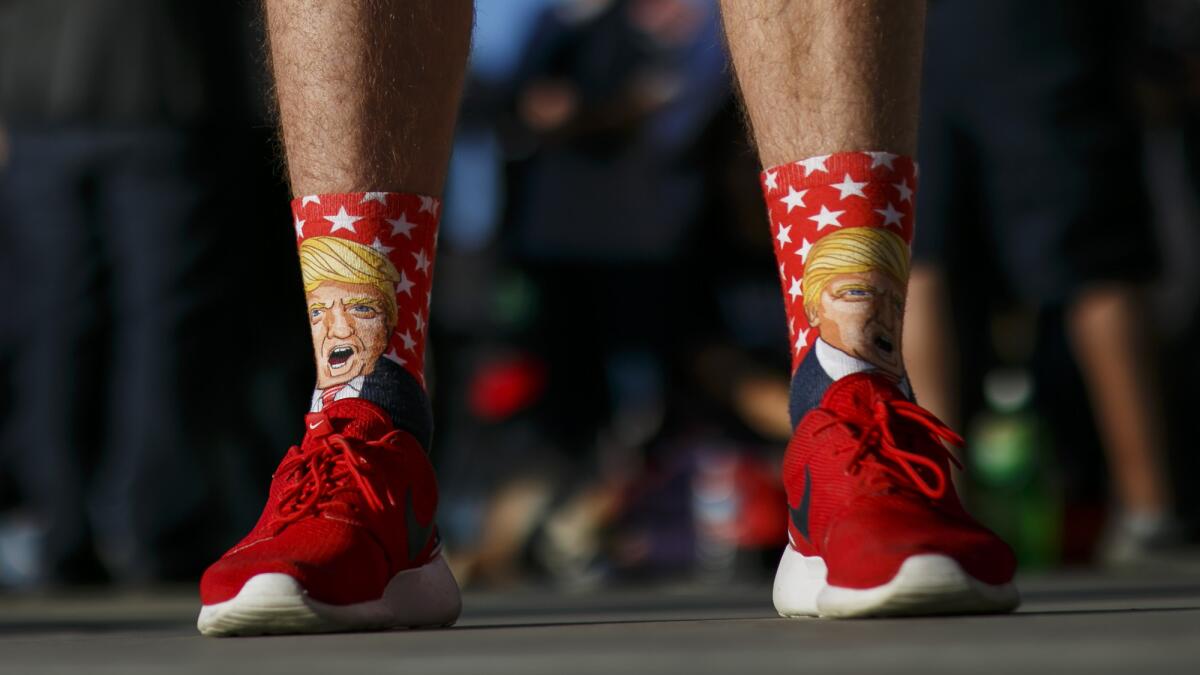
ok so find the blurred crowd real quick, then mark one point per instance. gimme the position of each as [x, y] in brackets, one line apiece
[609, 358]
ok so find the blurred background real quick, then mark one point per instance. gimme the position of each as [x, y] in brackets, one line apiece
[609, 357]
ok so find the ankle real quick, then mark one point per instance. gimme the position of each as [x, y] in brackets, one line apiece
[842, 224]
[367, 263]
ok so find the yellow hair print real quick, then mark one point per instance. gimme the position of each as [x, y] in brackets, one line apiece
[324, 259]
[853, 250]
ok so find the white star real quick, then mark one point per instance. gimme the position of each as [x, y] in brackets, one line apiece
[813, 164]
[882, 159]
[783, 237]
[803, 250]
[342, 221]
[378, 246]
[309, 199]
[405, 285]
[419, 321]
[794, 198]
[826, 217]
[380, 197]
[770, 181]
[401, 226]
[422, 261]
[849, 187]
[409, 342]
[429, 205]
[890, 215]
[795, 291]
[299, 229]
[905, 191]
[801, 340]
[394, 356]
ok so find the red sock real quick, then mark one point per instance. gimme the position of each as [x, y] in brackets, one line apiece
[842, 225]
[367, 264]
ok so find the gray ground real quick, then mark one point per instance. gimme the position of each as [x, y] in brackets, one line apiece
[1069, 623]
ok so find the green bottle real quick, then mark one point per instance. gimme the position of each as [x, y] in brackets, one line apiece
[1012, 484]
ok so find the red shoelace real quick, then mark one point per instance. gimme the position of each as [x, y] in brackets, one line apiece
[331, 467]
[876, 445]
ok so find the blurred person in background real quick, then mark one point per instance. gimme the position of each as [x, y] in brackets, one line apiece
[368, 93]
[1033, 175]
[1170, 89]
[140, 385]
[556, 491]
[481, 303]
[611, 98]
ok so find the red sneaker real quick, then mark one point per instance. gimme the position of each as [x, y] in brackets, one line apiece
[346, 541]
[876, 527]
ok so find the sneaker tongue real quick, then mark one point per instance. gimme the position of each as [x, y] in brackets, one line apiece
[353, 418]
[860, 391]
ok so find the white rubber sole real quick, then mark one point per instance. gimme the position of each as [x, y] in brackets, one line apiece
[270, 604]
[925, 584]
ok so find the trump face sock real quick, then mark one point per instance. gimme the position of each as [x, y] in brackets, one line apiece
[366, 259]
[842, 225]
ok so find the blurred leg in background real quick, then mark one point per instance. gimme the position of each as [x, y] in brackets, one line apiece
[1115, 339]
[59, 371]
[1034, 177]
[930, 350]
[172, 487]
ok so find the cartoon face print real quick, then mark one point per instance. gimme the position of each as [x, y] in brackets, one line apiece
[350, 330]
[861, 314]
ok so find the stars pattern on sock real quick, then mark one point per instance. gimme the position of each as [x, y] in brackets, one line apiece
[813, 197]
[402, 227]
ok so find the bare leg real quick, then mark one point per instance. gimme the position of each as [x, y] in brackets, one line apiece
[839, 82]
[831, 90]
[368, 94]
[1107, 329]
[822, 76]
[831, 81]
[368, 90]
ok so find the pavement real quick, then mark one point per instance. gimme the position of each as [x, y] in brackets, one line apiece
[1069, 622]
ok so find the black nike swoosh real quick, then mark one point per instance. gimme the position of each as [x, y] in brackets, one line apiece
[800, 513]
[418, 535]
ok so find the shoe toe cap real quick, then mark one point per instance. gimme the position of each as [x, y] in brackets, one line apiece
[866, 549]
[334, 564]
